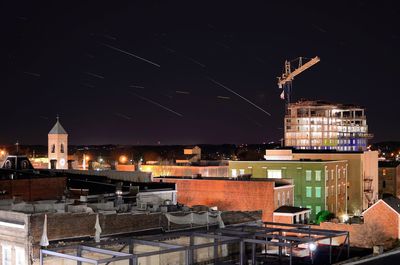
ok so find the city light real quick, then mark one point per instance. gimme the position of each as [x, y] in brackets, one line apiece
[345, 218]
[312, 246]
[122, 159]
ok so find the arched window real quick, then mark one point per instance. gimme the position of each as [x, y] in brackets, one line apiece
[62, 148]
[53, 148]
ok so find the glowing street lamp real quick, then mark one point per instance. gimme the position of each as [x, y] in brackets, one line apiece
[122, 159]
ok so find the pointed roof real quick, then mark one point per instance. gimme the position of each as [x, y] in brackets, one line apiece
[57, 128]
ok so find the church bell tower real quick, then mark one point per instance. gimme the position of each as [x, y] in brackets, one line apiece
[58, 147]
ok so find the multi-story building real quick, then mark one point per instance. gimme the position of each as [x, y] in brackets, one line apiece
[362, 172]
[323, 125]
[317, 183]
[389, 178]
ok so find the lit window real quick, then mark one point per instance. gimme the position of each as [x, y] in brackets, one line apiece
[317, 192]
[331, 174]
[318, 175]
[317, 209]
[274, 173]
[308, 175]
[384, 172]
[234, 173]
[241, 171]
[19, 256]
[6, 255]
[308, 192]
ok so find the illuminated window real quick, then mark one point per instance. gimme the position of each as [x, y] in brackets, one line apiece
[308, 192]
[308, 175]
[6, 255]
[241, 171]
[317, 192]
[234, 173]
[318, 175]
[273, 173]
[384, 172]
[19, 256]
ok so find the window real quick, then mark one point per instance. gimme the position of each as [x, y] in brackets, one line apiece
[309, 207]
[308, 175]
[308, 192]
[331, 174]
[241, 171]
[318, 175]
[318, 192]
[279, 199]
[6, 257]
[339, 187]
[384, 184]
[317, 209]
[19, 256]
[277, 174]
[62, 148]
[326, 191]
[234, 173]
[384, 172]
[53, 148]
[339, 173]
[332, 190]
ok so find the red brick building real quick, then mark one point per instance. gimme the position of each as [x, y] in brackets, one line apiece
[234, 195]
[384, 215]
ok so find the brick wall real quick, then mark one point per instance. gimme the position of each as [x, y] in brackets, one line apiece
[384, 218]
[34, 189]
[227, 195]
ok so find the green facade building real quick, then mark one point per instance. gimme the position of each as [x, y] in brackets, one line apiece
[319, 185]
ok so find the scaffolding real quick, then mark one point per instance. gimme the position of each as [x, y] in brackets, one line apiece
[247, 243]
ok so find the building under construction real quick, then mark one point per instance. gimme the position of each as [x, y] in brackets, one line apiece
[324, 125]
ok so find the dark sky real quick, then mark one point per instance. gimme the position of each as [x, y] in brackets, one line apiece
[61, 59]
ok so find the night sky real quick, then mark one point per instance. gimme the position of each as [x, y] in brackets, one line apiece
[129, 73]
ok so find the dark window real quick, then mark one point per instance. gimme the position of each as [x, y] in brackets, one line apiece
[53, 148]
[384, 184]
[62, 148]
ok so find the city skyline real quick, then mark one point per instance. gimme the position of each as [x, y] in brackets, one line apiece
[173, 73]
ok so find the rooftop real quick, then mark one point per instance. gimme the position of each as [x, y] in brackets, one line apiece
[290, 209]
[393, 202]
[320, 103]
[389, 163]
[57, 128]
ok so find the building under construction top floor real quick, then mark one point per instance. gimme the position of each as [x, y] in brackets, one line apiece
[323, 125]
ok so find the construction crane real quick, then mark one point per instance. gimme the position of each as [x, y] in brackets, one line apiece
[285, 81]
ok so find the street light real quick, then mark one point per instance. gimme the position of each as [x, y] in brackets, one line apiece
[122, 159]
